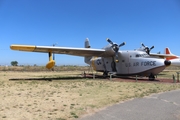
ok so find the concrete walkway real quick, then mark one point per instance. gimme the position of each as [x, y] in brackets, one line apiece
[162, 106]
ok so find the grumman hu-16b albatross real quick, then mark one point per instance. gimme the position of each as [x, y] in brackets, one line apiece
[109, 59]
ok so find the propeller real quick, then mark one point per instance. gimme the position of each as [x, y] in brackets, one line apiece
[147, 49]
[116, 47]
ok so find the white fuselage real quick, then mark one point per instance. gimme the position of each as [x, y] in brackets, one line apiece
[175, 62]
[130, 63]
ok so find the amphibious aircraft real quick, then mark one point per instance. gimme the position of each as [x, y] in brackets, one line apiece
[175, 60]
[109, 59]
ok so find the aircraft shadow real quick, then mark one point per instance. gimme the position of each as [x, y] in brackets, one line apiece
[47, 79]
[88, 76]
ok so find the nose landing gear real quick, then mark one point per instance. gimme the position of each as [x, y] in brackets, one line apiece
[151, 77]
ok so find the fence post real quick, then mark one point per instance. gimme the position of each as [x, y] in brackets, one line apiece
[177, 76]
[174, 79]
[93, 76]
[110, 76]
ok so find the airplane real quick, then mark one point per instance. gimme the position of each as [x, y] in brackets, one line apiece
[109, 59]
[175, 60]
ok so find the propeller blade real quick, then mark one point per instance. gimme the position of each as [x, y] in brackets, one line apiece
[110, 41]
[122, 44]
[143, 45]
[151, 47]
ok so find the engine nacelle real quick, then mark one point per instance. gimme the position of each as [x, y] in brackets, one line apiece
[50, 64]
[109, 50]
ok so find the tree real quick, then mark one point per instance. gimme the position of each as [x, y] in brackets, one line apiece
[14, 63]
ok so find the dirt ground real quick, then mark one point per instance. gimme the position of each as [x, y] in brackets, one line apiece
[32, 95]
[25, 97]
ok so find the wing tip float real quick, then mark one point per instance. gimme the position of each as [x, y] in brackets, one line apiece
[50, 64]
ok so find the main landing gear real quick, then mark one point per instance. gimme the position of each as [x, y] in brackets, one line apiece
[105, 74]
[151, 77]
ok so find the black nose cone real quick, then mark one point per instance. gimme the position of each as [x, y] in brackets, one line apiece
[167, 62]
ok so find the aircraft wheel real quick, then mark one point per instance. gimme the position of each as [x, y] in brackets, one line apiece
[151, 77]
[105, 74]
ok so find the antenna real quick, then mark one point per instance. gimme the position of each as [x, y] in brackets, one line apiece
[55, 44]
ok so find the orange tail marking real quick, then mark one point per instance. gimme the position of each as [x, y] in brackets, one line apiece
[167, 51]
[170, 58]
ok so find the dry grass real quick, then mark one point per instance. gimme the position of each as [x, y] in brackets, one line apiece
[169, 72]
[65, 99]
[43, 68]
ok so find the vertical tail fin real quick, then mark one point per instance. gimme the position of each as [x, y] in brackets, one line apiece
[87, 45]
[167, 51]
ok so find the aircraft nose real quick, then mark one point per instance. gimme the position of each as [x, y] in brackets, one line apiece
[167, 62]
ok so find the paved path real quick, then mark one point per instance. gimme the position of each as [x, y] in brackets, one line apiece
[162, 106]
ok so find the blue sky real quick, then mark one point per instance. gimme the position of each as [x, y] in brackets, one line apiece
[69, 22]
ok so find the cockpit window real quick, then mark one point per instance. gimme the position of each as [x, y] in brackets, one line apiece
[137, 55]
[141, 55]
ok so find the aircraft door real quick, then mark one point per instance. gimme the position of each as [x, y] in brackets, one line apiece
[123, 65]
[109, 65]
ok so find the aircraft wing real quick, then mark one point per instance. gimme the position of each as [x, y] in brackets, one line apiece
[62, 50]
[161, 55]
